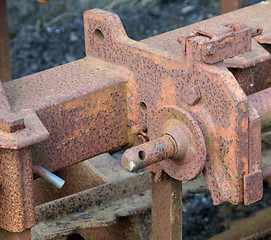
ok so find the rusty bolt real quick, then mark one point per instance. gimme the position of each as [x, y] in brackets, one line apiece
[211, 49]
[182, 42]
[138, 128]
[10, 122]
[257, 31]
[191, 95]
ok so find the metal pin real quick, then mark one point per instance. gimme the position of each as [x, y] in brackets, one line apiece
[48, 176]
[149, 153]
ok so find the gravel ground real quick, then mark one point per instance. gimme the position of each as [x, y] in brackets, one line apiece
[35, 49]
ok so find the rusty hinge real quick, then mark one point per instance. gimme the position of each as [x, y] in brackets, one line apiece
[221, 42]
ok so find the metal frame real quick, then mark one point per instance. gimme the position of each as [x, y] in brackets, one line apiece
[187, 84]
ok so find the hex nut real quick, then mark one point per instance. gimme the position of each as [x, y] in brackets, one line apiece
[191, 95]
[211, 49]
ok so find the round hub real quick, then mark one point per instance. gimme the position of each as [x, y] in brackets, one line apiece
[191, 156]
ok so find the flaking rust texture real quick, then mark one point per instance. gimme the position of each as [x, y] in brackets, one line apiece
[162, 78]
[262, 102]
[190, 158]
[70, 113]
[83, 108]
[81, 104]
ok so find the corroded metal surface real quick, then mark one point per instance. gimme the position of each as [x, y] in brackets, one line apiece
[79, 177]
[69, 101]
[124, 90]
[17, 208]
[84, 181]
[253, 79]
[190, 158]
[149, 153]
[81, 104]
[96, 207]
[225, 41]
[94, 173]
[161, 73]
[262, 102]
[253, 181]
[167, 209]
[177, 146]
[257, 57]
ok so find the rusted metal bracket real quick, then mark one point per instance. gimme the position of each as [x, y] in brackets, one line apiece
[221, 42]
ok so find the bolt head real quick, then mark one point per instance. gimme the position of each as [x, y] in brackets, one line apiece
[11, 122]
[211, 49]
[191, 95]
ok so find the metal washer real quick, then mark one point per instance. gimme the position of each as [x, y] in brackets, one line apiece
[173, 120]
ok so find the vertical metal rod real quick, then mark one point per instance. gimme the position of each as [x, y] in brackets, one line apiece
[167, 209]
[229, 5]
[5, 71]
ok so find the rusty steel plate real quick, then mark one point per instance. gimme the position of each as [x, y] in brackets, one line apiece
[163, 76]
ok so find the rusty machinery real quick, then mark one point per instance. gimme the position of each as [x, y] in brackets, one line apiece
[191, 100]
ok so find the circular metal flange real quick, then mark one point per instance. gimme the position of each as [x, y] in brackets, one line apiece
[191, 157]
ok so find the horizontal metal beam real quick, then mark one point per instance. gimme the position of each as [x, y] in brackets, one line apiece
[83, 105]
[262, 102]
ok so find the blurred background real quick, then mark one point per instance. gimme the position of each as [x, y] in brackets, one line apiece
[44, 34]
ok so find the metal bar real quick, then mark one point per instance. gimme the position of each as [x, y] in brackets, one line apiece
[262, 102]
[48, 176]
[5, 72]
[167, 209]
[71, 101]
[256, 226]
[93, 208]
[18, 183]
[81, 176]
[149, 153]
[229, 5]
